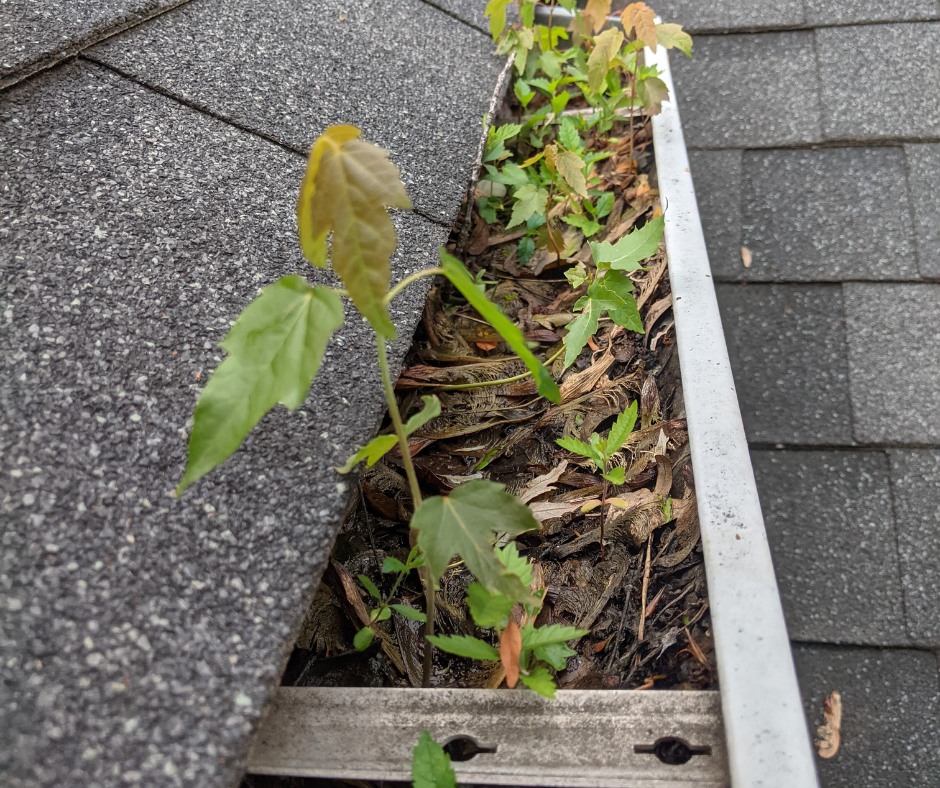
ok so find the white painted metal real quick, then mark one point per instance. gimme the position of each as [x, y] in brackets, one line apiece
[583, 738]
[767, 738]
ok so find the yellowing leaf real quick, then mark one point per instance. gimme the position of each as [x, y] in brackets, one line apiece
[606, 47]
[652, 91]
[674, 37]
[571, 167]
[345, 191]
[510, 647]
[372, 452]
[274, 350]
[496, 11]
[595, 14]
[642, 19]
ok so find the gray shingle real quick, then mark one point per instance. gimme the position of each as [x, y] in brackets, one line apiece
[842, 12]
[470, 11]
[415, 80]
[894, 361]
[923, 167]
[722, 15]
[743, 91]
[915, 481]
[875, 81]
[37, 33]
[717, 176]
[830, 215]
[788, 354]
[890, 736]
[142, 634]
[832, 536]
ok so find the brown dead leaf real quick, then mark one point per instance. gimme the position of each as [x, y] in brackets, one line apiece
[510, 647]
[829, 732]
[542, 484]
[480, 237]
[487, 345]
[595, 14]
[641, 18]
[746, 256]
[550, 510]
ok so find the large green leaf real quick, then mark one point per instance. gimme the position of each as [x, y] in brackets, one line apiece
[466, 523]
[555, 654]
[274, 350]
[460, 278]
[465, 646]
[347, 186]
[430, 765]
[627, 253]
[582, 328]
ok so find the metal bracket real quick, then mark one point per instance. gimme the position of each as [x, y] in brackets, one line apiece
[583, 738]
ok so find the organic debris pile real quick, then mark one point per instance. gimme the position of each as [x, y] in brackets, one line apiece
[642, 594]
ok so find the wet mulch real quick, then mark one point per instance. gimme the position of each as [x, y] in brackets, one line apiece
[643, 598]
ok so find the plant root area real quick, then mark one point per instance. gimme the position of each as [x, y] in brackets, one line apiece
[643, 597]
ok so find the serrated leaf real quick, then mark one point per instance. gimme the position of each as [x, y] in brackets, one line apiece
[496, 11]
[274, 351]
[525, 250]
[465, 523]
[372, 452]
[540, 680]
[622, 428]
[533, 636]
[583, 449]
[606, 48]
[523, 92]
[409, 612]
[458, 275]
[347, 186]
[674, 37]
[430, 765]
[615, 475]
[642, 19]
[568, 135]
[488, 608]
[614, 293]
[465, 646]
[510, 175]
[652, 91]
[363, 639]
[571, 167]
[370, 586]
[516, 564]
[555, 654]
[589, 226]
[530, 200]
[576, 276]
[582, 328]
[627, 253]
[392, 566]
[560, 101]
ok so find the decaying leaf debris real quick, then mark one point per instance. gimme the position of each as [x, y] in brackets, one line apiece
[830, 732]
[644, 600]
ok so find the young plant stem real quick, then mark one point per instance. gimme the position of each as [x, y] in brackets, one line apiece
[399, 426]
[409, 279]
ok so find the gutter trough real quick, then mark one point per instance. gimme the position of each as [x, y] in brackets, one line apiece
[752, 733]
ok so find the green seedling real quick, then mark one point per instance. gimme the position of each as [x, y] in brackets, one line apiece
[600, 451]
[390, 566]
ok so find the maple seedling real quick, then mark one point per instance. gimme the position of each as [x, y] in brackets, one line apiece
[601, 451]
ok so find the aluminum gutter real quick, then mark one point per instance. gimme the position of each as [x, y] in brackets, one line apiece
[766, 733]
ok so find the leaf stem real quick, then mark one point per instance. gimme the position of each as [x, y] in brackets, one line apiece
[410, 279]
[395, 414]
